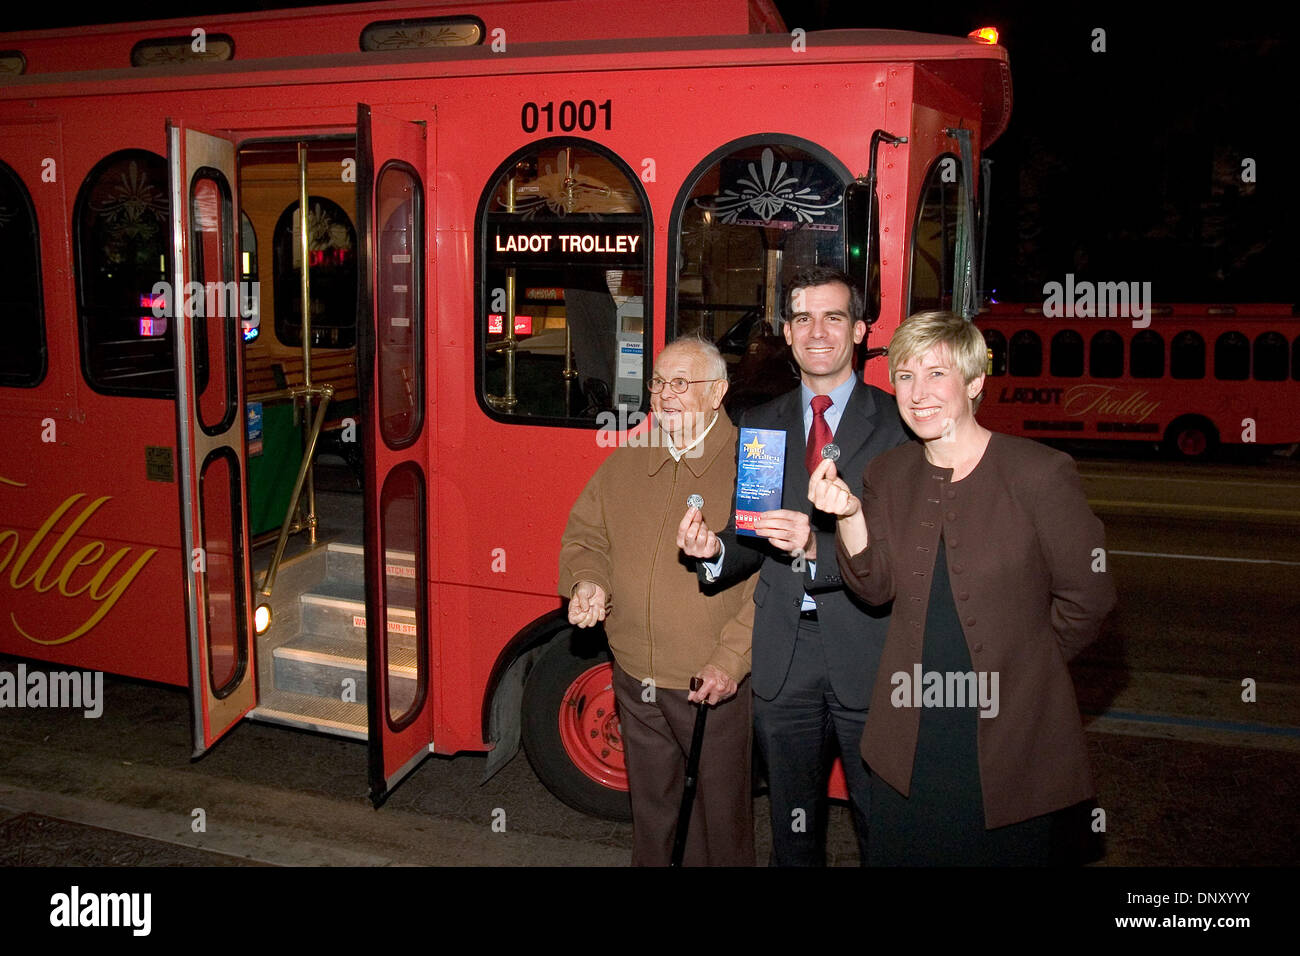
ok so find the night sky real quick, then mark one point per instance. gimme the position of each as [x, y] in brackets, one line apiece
[1117, 166]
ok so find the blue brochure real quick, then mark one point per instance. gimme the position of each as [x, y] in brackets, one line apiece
[760, 473]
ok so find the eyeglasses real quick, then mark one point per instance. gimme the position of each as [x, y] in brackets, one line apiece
[679, 385]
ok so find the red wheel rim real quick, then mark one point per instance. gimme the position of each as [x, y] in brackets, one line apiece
[1192, 442]
[589, 728]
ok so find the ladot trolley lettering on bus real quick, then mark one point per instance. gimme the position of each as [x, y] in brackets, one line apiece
[1082, 400]
[600, 243]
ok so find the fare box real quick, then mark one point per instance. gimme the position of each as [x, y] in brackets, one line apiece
[760, 472]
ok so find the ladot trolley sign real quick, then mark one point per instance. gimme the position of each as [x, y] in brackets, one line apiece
[588, 243]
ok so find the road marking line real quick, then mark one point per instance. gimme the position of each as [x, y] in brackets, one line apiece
[1191, 481]
[1204, 723]
[1206, 509]
[1205, 557]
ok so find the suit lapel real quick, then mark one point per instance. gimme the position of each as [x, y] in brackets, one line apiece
[856, 424]
[794, 496]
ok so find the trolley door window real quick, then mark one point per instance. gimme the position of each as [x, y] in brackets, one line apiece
[123, 273]
[220, 498]
[564, 298]
[23, 359]
[214, 300]
[750, 215]
[934, 240]
[401, 514]
[400, 304]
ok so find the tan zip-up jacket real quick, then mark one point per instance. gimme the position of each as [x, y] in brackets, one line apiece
[622, 535]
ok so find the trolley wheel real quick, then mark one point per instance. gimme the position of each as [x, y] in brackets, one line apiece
[571, 730]
[1191, 438]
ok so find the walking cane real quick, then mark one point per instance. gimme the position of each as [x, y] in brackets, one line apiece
[692, 778]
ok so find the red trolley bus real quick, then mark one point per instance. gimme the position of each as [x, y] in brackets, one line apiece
[448, 245]
[1187, 377]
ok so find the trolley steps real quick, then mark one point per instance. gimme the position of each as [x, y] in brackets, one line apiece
[318, 676]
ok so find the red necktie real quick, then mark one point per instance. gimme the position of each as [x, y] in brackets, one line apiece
[820, 433]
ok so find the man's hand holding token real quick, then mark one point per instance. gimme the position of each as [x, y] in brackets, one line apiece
[694, 537]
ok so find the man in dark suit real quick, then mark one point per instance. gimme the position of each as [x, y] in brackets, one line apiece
[816, 646]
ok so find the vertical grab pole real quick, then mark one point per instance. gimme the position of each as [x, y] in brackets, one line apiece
[305, 291]
[510, 400]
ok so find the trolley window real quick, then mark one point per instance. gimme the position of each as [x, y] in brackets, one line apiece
[332, 273]
[1146, 355]
[1066, 359]
[1232, 357]
[563, 299]
[1270, 357]
[122, 262]
[1187, 355]
[934, 240]
[1026, 353]
[997, 347]
[1106, 354]
[422, 33]
[749, 216]
[23, 360]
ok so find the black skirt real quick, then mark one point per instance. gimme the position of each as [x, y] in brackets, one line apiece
[941, 823]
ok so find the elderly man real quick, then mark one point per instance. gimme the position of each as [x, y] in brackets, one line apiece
[619, 563]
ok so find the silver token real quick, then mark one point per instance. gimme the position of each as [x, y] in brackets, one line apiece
[695, 501]
[831, 450]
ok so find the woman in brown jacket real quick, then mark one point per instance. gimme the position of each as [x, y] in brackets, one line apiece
[997, 570]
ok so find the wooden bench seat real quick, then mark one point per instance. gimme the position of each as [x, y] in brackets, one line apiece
[337, 368]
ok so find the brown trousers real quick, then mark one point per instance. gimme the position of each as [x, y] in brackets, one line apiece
[656, 742]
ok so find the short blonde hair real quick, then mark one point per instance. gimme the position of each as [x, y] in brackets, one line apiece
[923, 331]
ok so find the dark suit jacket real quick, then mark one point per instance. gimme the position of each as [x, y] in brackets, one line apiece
[852, 632]
[1022, 549]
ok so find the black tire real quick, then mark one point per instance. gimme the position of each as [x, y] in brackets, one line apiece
[1191, 438]
[545, 691]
